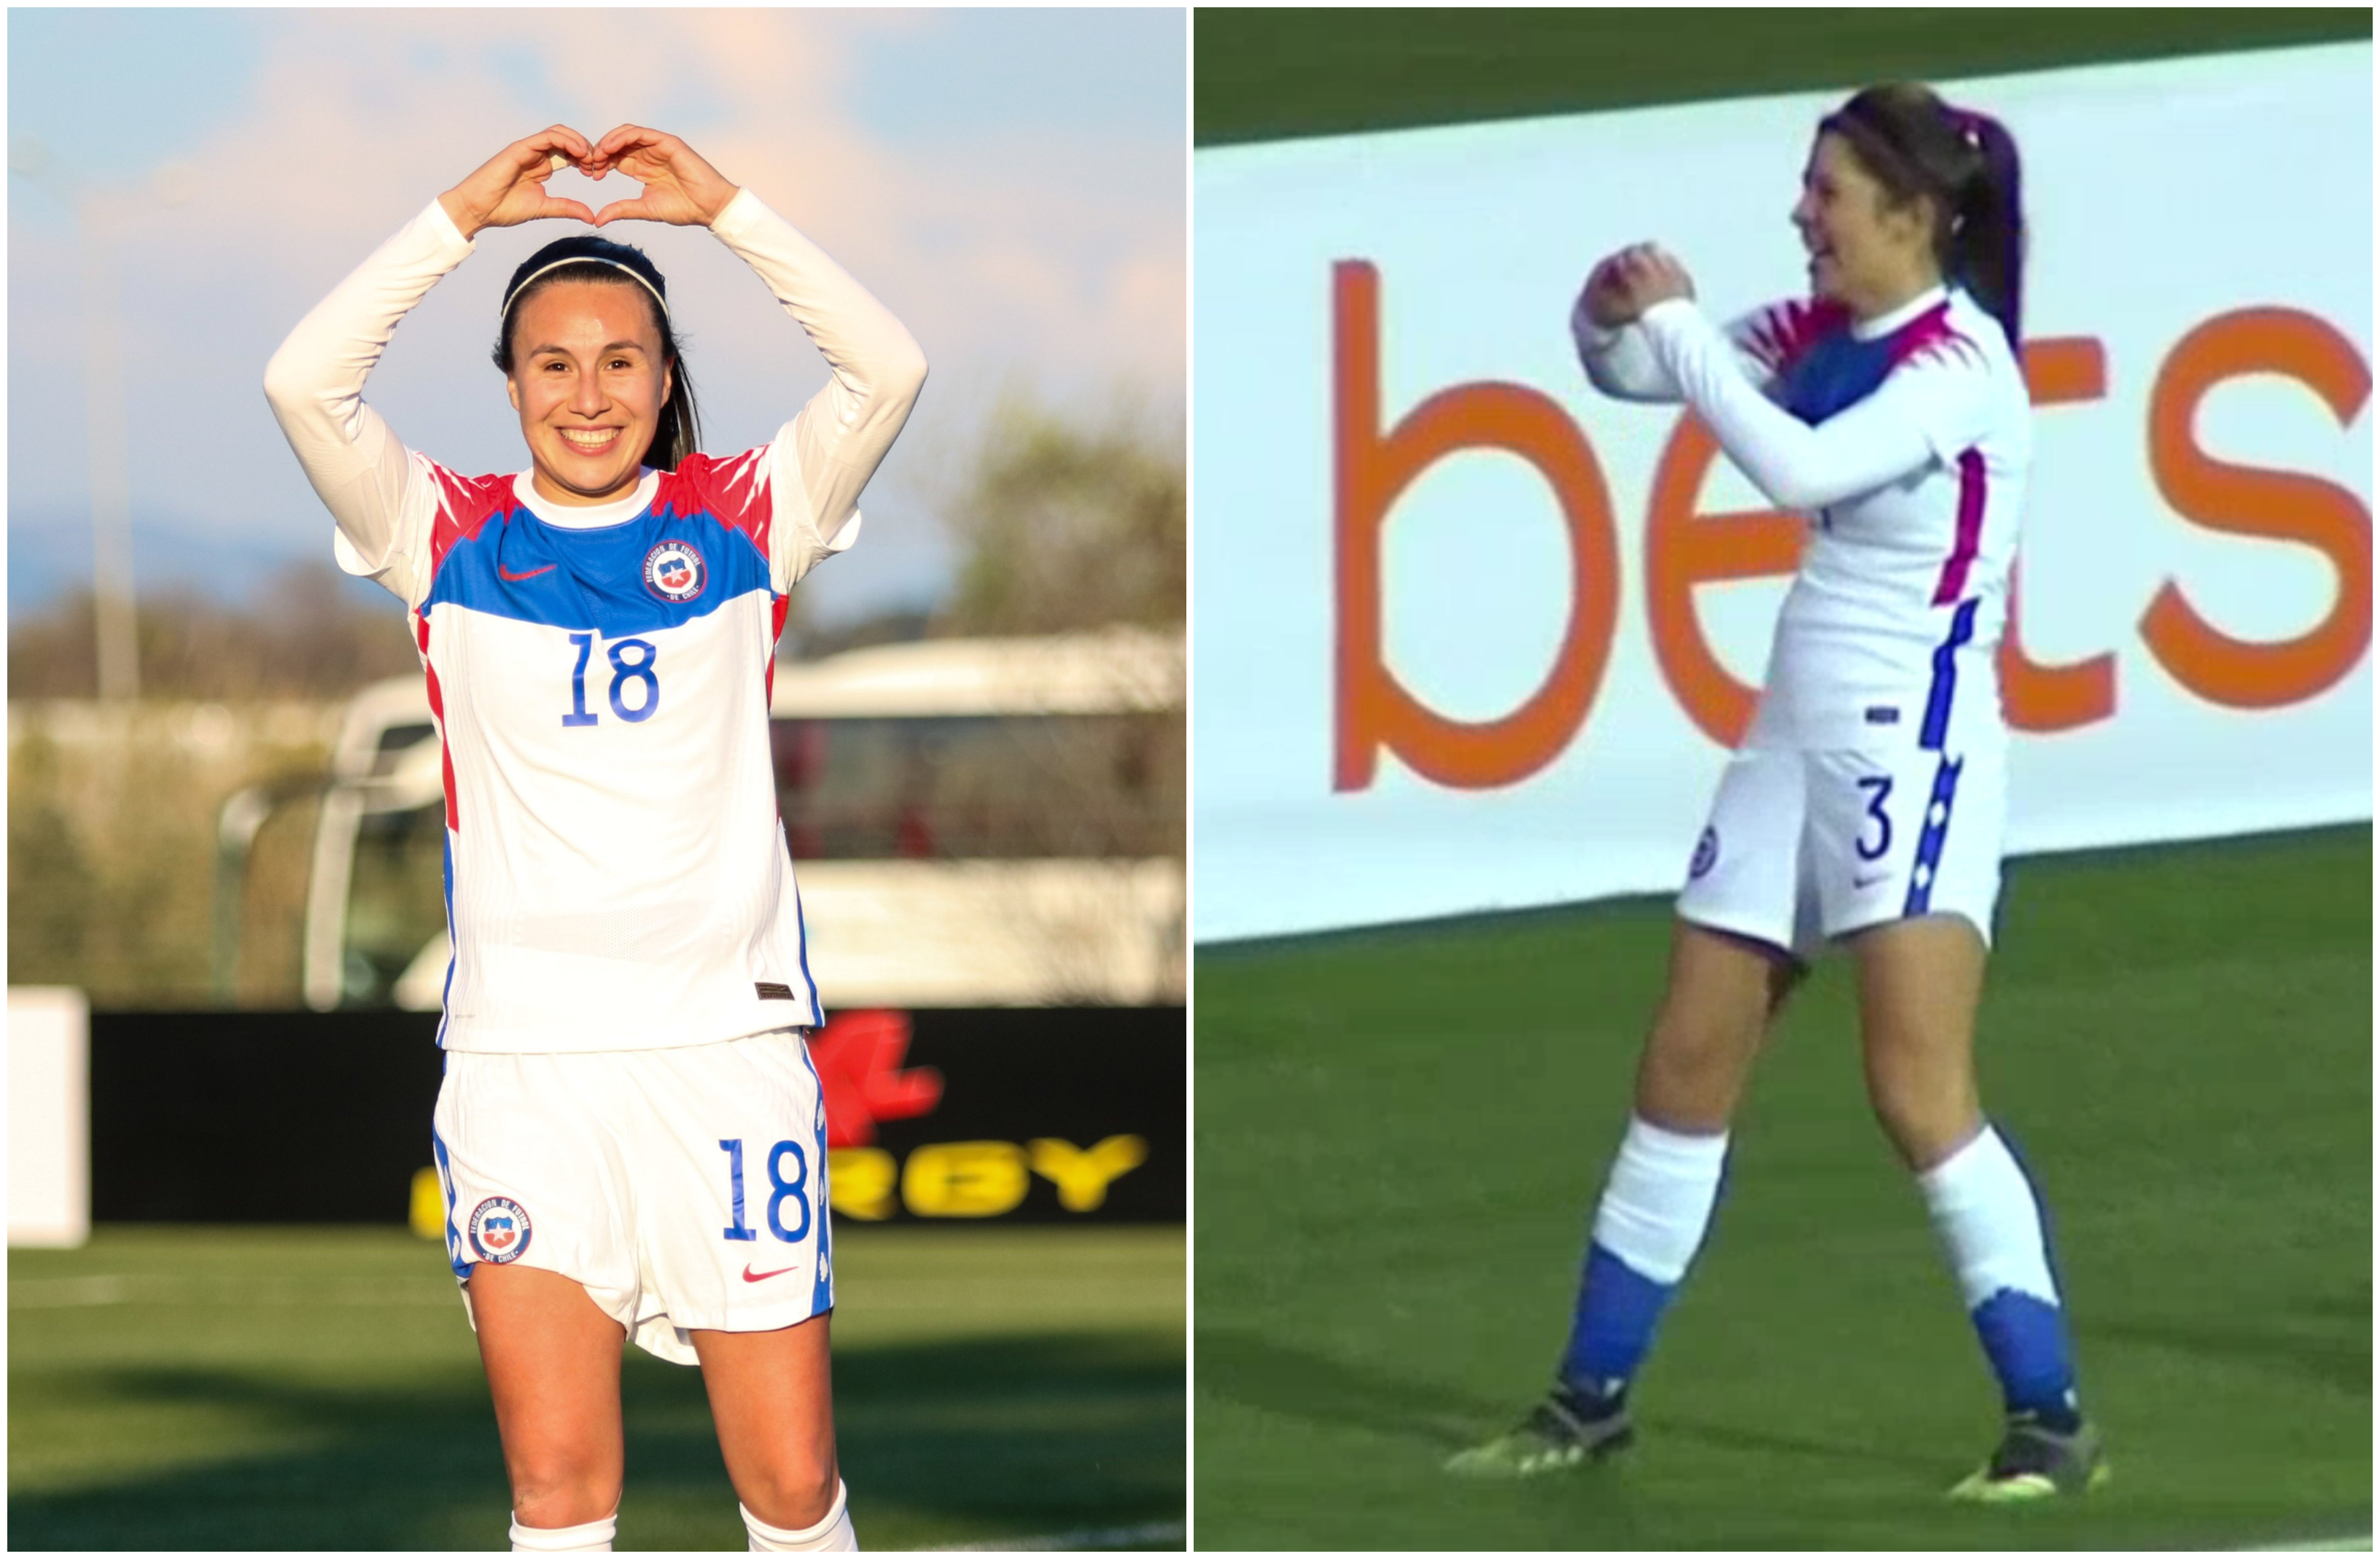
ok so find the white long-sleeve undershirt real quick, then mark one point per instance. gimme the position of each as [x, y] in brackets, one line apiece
[1619, 362]
[377, 493]
[1921, 413]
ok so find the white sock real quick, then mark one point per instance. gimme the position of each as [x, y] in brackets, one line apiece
[593, 1537]
[1983, 1207]
[833, 1532]
[1657, 1203]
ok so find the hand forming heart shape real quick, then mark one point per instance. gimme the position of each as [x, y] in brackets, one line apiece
[509, 188]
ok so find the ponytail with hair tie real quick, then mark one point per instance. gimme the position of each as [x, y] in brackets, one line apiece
[1987, 245]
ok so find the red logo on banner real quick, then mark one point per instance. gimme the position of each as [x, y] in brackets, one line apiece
[858, 1058]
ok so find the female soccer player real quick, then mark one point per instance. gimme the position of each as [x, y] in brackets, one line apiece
[1865, 805]
[630, 1133]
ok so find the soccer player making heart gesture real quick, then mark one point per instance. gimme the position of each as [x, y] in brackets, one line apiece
[630, 1135]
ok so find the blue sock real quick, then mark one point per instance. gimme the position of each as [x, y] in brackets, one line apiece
[1654, 1210]
[1611, 1329]
[1991, 1224]
[2025, 1340]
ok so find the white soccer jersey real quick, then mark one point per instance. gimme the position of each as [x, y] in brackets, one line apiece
[1907, 440]
[618, 877]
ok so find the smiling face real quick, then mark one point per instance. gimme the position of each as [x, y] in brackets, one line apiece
[1865, 252]
[589, 380]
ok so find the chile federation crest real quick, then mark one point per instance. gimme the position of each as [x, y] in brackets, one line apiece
[499, 1230]
[674, 572]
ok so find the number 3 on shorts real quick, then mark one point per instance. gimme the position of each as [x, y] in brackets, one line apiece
[780, 1190]
[1877, 787]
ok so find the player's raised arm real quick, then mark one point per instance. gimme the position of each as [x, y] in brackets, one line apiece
[1924, 410]
[315, 381]
[830, 449]
[1619, 362]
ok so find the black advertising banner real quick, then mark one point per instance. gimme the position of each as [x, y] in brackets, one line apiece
[1046, 1115]
[1043, 1113]
[260, 1117]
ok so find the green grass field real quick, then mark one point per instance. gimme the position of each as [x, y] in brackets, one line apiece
[1401, 1135]
[319, 1388]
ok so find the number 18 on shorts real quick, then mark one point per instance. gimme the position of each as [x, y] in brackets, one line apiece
[683, 1188]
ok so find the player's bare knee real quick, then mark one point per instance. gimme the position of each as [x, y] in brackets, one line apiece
[1925, 1124]
[563, 1497]
[1691, 1081]
[795, 1490]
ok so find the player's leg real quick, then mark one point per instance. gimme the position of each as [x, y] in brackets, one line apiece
[554, 1369]
[1919, 984]
[1723, 993]
[1656, 1207]
[1724, 988]
[771, 1397]
[533, 1187]
[731, 1152]
[1919, 871]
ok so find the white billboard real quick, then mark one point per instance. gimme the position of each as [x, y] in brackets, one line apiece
[1470, 636]
[49, 1117]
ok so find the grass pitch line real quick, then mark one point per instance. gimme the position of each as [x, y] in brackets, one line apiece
[2360, 1544]
[1086, 1536]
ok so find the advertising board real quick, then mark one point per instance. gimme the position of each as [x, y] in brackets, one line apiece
[1472, 637]
[1048, 1114]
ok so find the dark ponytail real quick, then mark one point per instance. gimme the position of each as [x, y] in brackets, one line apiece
[1914, 144]
[1987, 234]
[678, 432]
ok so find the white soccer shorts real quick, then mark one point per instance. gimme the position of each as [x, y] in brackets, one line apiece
[685, 1188]
[1804, 846]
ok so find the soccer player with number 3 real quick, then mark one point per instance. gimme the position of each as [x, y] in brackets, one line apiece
[1866, 803]
[631, 1136]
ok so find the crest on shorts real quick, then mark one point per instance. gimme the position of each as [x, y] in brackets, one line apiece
[674, 571]
[1706, 853]
[499, 1230]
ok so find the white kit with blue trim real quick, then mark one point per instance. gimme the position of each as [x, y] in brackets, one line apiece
[1871, 784]
[617, 875]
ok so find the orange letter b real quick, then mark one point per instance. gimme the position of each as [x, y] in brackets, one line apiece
[1374, 710]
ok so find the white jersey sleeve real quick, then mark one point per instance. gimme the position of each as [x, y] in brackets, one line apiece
[1926, 411]
[825, 454]
[385, 500]
[1620, 360]
[381, 498]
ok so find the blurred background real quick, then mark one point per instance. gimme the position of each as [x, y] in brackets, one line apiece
[1425, 965]
[224, 909]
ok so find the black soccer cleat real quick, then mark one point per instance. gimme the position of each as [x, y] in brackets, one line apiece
[2034, 1462]
[1566, 1428]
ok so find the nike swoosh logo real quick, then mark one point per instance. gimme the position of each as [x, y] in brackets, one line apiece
[1868, 881]
[519, 577]
[751, 1276]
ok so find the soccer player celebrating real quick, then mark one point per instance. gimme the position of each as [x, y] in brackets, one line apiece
[631, 1135]
[1866, 803]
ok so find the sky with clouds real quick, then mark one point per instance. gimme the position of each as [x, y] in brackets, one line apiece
[1010, 183]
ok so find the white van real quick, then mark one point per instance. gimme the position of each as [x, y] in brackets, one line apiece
[974, 823]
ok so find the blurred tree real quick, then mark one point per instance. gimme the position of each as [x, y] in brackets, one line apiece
[112, 828]
[303, 635]
[50, 883]
[1068, 527]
